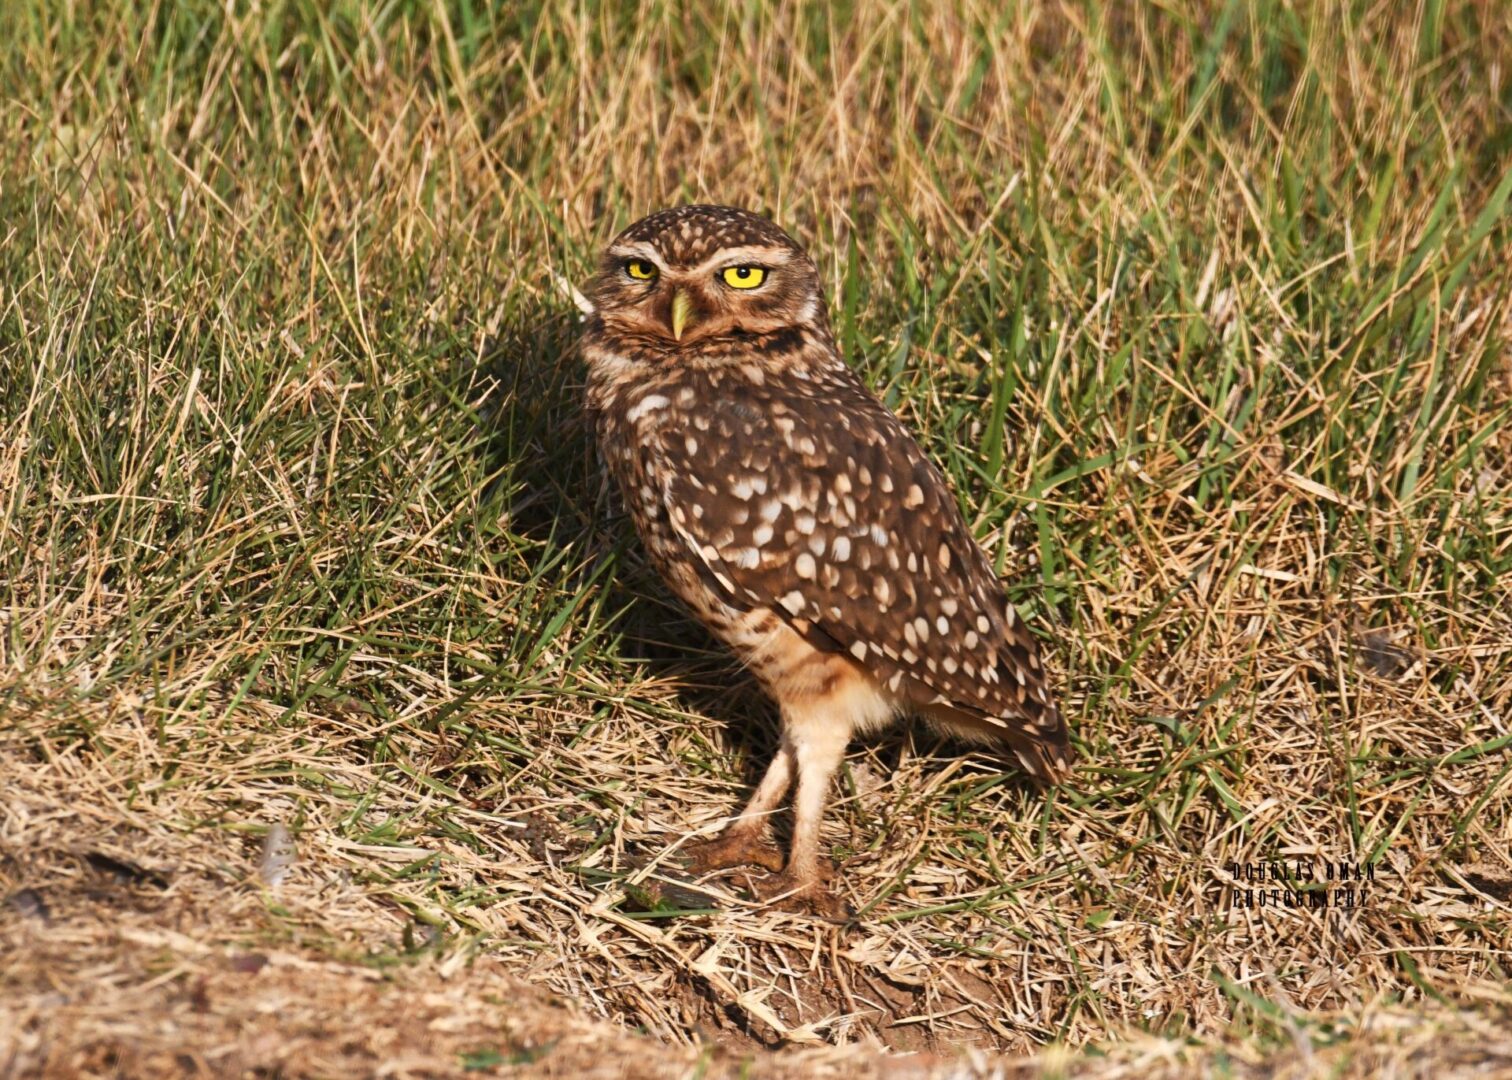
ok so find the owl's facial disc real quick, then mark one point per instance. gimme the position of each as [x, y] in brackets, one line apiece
[686, 277]
[738, 291]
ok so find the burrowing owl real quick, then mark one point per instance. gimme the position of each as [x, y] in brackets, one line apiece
[797, 518]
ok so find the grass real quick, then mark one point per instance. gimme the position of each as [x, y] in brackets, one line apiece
[1204, 308]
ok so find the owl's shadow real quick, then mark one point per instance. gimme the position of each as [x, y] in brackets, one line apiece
[552, 492]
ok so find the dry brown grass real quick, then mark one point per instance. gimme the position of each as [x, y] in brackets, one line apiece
[130, 949]
[1207, 316]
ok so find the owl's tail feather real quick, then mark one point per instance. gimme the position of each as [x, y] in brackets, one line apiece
[1041, 745]
[1047, 760]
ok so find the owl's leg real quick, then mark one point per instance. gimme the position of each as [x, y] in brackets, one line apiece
[742, 843]
[818, 737]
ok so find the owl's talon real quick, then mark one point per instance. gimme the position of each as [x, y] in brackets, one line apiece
[805, 894]
[729, 850]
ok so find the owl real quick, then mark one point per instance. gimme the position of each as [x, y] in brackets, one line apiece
[798, 519]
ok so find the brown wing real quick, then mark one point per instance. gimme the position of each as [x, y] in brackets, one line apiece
[810, 497]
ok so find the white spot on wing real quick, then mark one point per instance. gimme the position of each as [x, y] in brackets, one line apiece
[646, 404]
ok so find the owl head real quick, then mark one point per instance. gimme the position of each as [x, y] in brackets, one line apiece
[694, 274]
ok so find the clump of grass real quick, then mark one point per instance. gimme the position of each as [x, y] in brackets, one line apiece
[1203, 308]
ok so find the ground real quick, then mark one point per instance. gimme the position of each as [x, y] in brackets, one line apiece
[346, 731]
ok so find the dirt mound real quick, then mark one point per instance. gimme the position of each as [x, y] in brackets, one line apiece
[129, 948]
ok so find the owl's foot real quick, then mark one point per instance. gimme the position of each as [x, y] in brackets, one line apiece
[806, 893]
[732, 848]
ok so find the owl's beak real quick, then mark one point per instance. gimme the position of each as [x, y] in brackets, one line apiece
[682, 312]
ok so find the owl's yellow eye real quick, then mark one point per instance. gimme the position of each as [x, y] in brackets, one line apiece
[744, 277]
[640, 271]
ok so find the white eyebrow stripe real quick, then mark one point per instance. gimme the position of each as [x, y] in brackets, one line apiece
[637, 251]
[757, 254]
[746, 255]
